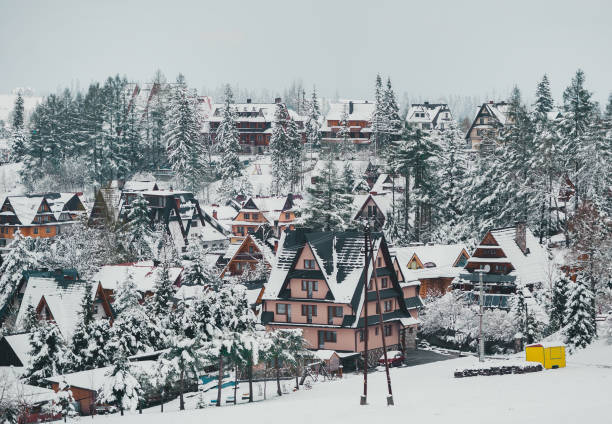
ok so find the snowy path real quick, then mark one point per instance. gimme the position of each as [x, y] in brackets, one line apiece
[429, 394]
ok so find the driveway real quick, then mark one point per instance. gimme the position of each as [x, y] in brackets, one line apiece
[420, 357]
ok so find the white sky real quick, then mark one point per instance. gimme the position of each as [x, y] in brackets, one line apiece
[429, 48]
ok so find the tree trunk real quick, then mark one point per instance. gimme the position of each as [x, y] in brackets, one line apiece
[220, 382]
[121, 409]
[278, 389]
[250, 381]
[265, 379]
[162, 400]
[182, 389]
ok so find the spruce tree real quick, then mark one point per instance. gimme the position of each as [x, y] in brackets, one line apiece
[81, 335]
[121, 387]
[558, 303]
[312, 125]
[580, 324]
[544, 102]
[344, 134]
[49, 353]
[22, 256]
[379, 122]
[227, 139]
[182, 135]
[328, 208]
[18, 113]
[394, 123]
[285, 150]
[138, 229]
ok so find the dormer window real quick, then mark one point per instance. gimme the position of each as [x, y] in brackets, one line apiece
[309, 264]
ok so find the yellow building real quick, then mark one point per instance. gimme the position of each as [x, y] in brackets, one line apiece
[550, 355]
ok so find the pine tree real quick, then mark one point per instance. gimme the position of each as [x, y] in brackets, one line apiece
[121, 387]
[312, 125]
[344, 134]
[517, 139]
[164, 289]
[50, 355]
[126, 295]
[31, 319]
[138, 227]
[558, 303]
[544, 102]
[81, 335]
[580, 328]
[394, 122]
[285, 150]
[348, 178]
[22, 256]
[379, 123]
[329, 208]
[182, 135]
[452, 174]
[18, 113]
[197, 271]
[228, 142]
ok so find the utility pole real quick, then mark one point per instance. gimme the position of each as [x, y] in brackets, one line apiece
[364, 397]
[481, 312]
[380, 320]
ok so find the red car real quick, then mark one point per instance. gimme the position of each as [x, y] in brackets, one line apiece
[395, 358]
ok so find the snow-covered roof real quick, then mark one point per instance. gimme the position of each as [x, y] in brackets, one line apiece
[324, 354]
[529, 268]
[20, 343]
[139, 185]
[25, 207]
[499, 111]
[339, 255]
[14, 388]
[443, 256]
[206, 233]
[63, 297]
[143, 273]
[382, 185]
[94, 379]
[425, 112]
[384, 202]
[362, 110]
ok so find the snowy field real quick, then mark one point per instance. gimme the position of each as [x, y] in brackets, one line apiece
[429, 394]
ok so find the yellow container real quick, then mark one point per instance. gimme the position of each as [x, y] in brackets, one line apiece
[550, 355]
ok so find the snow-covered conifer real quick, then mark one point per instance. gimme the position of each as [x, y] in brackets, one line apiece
[580, 327]
[227, 139]
[50, 355]
[120, 387]
[138, 228]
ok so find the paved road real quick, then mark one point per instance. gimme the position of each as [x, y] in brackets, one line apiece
[420, 357]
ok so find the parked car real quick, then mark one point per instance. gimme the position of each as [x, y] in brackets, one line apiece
[395, 358]
[105, 409]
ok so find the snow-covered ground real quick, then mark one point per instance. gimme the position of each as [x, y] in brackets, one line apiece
[428, 394]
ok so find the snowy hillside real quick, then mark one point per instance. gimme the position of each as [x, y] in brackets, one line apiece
[430, 394]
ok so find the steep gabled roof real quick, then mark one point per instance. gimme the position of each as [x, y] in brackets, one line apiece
[143, 273]
[26, 207]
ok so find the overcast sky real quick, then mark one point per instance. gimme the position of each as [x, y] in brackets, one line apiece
[428, 48]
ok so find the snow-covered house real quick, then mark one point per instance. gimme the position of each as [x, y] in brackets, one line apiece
[435, 266]
[318, 284]
[359, 115]
[490, 118]
[279, 213]
[375, 208]
[223, 214]
[30, 215]
[15, 351]
[107, 203]
[254, 249]
[57, 296]
[429, 116]
[515, 258]
[253, 121]
[144, 274]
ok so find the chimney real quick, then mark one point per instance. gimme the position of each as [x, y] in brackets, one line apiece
[275, 245]
[277, 100]
[215, 213]
[351, 107]
[248, 101]
[491, 102]
[521, 240]
[426, 103]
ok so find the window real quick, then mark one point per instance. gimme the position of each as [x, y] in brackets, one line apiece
[426, 126]
[247, 216]
[372, 210]
[309, 311]
[388, 305]
[361, 335]
[287, 215]
[48, 230]
[281, 308]
[333, 312]
[35, 230]
[388, 330]
[255, 216]
[377, 307]
[379, 262]
[309, 264]
[194, 223]
[499, 267]
[482, 121]
[309, 287]
[384, 283]
[479, 133]
[251, 249]
[376, 330]
[326, 336]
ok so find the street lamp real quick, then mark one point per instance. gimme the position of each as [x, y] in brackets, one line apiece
[481, 271]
